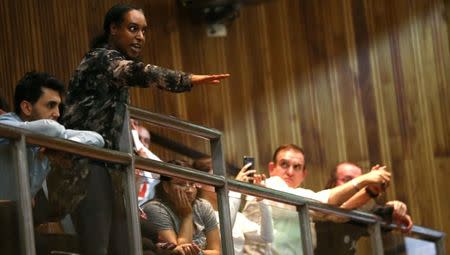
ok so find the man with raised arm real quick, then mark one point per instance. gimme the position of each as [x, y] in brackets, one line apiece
[338, 238]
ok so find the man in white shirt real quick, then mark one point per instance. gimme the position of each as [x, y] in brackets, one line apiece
[287, 171]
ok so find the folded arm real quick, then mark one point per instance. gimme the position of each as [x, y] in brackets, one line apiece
[43, 127]
[85, 137]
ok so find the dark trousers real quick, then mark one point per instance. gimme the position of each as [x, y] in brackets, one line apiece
[9, 230]
[100, 225]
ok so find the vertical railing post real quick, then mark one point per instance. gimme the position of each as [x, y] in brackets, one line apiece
[223, 205]
[375, 238]
[218, 161]
[26, 230]
[131, 206]
[440, 246]
[305, 230]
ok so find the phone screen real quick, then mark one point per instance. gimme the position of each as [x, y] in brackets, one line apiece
[246, 160]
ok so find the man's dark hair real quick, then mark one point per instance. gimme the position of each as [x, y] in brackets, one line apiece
[115, 15]
[285, 147]
[29, 88]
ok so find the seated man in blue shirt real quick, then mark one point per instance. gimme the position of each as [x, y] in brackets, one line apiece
[37, 102]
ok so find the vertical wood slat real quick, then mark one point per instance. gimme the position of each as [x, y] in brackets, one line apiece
[365, 81]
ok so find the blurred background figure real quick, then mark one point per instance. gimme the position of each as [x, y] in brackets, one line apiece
[145, 181]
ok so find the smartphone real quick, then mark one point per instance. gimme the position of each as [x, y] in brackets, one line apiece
[246, 160]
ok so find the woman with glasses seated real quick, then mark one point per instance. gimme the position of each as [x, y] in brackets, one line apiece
[177, 216]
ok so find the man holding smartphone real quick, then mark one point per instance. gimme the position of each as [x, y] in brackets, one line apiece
[249, 160]
[287, 171]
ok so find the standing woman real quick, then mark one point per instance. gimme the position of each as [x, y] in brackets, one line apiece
[96, 100]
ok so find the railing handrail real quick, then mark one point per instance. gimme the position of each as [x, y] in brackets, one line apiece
[197, 176]
[66, 145]
[174, 123]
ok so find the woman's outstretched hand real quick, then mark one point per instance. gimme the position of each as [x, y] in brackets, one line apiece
[197, 79]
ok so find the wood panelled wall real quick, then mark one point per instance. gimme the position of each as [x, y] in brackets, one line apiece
[365, 81]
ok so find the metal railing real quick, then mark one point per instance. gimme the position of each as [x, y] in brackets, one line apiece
[222, 185]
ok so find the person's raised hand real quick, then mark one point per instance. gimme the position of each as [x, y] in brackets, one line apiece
[400, 208]
[400, 216]
[141, 152]
[378, 176]
[377, 166]
[378, 187]
[134, 124]
[404, 223]
[259, 179]
[244, 174]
